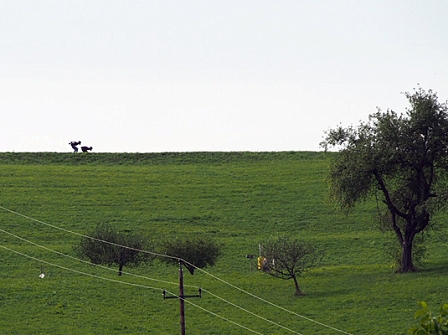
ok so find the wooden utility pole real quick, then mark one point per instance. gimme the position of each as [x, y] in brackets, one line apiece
[182, 297]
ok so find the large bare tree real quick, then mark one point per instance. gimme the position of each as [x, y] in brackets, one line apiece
[400, 159]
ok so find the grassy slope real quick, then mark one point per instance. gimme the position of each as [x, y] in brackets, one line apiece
[238, 198]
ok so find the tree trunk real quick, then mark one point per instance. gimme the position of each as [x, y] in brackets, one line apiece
[120, 269]
[296, 283]
[407, 264]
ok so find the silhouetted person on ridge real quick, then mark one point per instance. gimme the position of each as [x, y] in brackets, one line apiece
[74, 145]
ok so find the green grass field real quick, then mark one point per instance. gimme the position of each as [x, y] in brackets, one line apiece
[237, 198]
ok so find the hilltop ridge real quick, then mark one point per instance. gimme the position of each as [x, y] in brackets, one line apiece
[58, 158]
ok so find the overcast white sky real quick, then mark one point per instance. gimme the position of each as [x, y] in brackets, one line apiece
[155, 76]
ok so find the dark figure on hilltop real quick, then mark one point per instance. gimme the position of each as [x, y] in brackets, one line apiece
[74, 145]
[85, 149]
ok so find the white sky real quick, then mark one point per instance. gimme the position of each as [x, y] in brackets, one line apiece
[154, 76]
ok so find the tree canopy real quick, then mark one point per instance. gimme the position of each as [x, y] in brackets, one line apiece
[401, 159]
[197, 252]
[106, 245]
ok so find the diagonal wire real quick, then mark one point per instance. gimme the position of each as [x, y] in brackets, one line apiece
[221, 317]
[84, 261]
[86, 236]
[130, 284]
[186, 262]
[274, 305]
[145, 277]
[251, 313]
[79, 272]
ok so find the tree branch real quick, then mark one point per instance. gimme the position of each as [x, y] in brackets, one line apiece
[388, 202]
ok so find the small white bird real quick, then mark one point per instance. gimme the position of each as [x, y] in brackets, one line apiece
[42, 275]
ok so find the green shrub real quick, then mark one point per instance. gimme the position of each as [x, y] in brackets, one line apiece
[430, 324]
[198, 252]
[106, 245]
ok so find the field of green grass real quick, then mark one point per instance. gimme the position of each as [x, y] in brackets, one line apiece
[47, 200]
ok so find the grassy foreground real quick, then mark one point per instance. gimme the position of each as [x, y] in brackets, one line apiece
[237, 198]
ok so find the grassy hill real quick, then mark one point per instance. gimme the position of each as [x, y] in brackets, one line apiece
[237, 198]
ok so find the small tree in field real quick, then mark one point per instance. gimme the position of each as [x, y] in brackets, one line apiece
[108, 246]
[402, 160]
[287, 258]
[198, 252]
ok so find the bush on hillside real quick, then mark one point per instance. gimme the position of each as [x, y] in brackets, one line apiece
[196, 252]
[106, 245]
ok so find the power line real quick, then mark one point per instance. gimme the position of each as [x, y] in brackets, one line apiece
[79, 272]
[251, 313]
[186, 262]
[86, 236]
[127, 283]
[84, 261]
[145, 277]
[274, 305]
[223, 318]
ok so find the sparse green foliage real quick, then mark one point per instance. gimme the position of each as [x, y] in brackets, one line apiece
[402, 160]
[430, 324]
[198, 252]
[119, 248]
[287, 257]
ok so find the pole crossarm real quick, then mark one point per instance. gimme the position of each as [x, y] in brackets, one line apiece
[165, 296]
